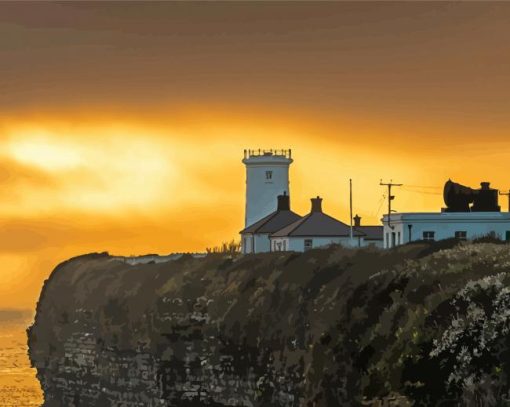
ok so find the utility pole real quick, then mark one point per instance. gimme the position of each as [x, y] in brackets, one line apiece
[350, 199]
[508, 195]
[390, 198]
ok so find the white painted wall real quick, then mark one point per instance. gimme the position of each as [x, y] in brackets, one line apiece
[247, 243]
[297, 244]
[262, 243]
[279, 244]
[261, 192]
[444, 225]
[255, 243]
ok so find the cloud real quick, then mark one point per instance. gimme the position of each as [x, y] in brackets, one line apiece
[115, 169]
[14, 173]
[410, 65]
[43, 152]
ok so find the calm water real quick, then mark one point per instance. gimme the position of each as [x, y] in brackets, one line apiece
[18, 384]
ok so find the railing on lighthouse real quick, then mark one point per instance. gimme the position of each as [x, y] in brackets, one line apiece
[267, 153]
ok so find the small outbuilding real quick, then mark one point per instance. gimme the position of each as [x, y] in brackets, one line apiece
[373, 235]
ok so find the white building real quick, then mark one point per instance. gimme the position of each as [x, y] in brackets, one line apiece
[267, 176]
[408, 227]
[314, 230]
[469, 214]
[255, 238]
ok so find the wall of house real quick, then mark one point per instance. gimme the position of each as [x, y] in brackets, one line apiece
[279, 244]
[396, 236]
[444, 226]
[445, 231]
[258, 243]
[262, 243]
[246, 243]
[297, 244]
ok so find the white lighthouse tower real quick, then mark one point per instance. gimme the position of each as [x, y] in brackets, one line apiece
[267, 176]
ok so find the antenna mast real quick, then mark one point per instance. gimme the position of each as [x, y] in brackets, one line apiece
[390, 198]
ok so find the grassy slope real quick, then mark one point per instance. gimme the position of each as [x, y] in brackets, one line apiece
[431, 324]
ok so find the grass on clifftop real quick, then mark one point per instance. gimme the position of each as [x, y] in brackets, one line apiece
[430, 321]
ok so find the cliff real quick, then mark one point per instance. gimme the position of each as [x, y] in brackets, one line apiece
[328, 327]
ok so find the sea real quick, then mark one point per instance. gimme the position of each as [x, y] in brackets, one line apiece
[19, 386]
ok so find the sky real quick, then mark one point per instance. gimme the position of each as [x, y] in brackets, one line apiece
[123, 125]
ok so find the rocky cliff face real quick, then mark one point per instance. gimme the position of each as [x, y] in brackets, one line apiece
[329, 327]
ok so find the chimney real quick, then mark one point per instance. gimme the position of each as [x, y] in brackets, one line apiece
[317, 204]
[283, 202]
[485, 185]
[357, 220]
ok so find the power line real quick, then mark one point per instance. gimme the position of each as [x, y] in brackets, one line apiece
[379, 205]
[424, 186]
[421, 192]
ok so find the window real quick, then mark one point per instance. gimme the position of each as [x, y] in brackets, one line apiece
[269, 175]
[461, 235]
[398, 239]
[507, 235]
[387, 240]
[308, 244]
[393, 239]
[428, 235]
[284, 245]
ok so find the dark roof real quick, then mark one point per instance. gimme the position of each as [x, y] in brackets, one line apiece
[371, 232]
[317, 224]
[272, 222]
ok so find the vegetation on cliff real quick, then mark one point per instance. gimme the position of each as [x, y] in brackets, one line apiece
[327, 327]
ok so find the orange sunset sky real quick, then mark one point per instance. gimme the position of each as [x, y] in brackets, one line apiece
[122, 125]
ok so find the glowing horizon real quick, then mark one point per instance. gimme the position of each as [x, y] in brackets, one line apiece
[150, 187]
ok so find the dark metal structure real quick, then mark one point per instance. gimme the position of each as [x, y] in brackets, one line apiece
[459, 198]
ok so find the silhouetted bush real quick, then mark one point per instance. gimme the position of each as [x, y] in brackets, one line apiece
[231, 247]
[489, 238]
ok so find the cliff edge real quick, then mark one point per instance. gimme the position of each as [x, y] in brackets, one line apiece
[328, 327]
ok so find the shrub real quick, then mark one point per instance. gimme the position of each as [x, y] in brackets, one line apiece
[231, 247]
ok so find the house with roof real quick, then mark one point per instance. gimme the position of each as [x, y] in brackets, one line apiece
[314, 230]
[270, 225]
[256, 237]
